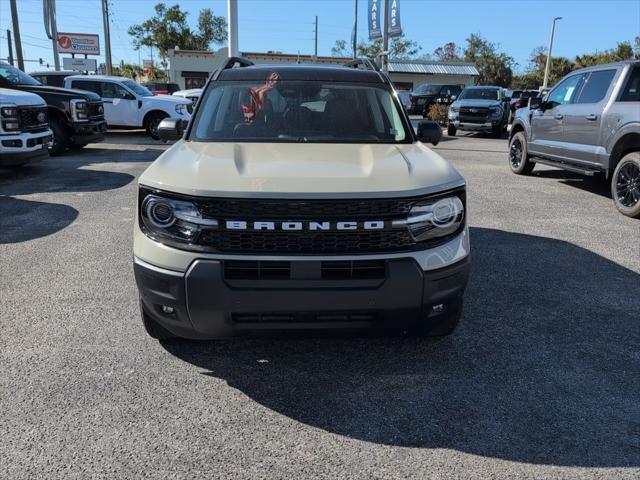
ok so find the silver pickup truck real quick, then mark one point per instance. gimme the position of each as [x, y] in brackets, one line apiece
[588, 123]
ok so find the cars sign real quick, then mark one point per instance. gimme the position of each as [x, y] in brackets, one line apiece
[81, 43]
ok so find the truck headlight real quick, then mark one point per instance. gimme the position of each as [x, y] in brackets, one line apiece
[495, 112]
[9, 112]
[180, 108]
[178, 221]
[453, 113]
[79, 110]
[434, 218]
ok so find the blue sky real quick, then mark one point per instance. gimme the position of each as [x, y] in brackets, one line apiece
[287, 25]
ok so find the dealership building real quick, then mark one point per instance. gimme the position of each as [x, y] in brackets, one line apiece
[191, 68]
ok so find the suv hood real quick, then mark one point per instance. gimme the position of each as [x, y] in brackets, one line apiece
[61, 92]
[301, 170]
[168, 99]
[476, 103]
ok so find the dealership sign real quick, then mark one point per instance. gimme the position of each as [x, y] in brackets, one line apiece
[376, 18]
[80, 64]
[394, 29]
[81, 43]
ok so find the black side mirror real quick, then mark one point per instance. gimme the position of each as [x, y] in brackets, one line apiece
[535, 103]
[171, 129]
[429, 132]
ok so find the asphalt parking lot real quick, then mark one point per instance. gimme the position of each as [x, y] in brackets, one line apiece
[541, 380]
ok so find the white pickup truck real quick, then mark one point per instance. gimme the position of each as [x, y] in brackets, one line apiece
[127, 104]
[24, 128]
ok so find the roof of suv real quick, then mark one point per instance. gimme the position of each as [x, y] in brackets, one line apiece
[484, 87]
[302, 72]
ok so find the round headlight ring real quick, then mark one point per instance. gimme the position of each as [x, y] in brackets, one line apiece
[160, 213]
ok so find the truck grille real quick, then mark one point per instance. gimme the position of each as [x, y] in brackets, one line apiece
[33, 118]
[473, 114]
[95, 110]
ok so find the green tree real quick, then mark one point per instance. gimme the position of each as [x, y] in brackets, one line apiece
[169, 29]
[400, 48]
[339, 49]
[449, 52]
[534, 75]
[623, 51]
[496, 68]
[636, 48]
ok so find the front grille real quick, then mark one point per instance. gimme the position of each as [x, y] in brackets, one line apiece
[473, 114]
[256, 270]
[304, 317]
[95, 110]
[29, 121]
[315, 243]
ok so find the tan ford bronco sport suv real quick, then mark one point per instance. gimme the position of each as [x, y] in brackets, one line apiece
[299, 197]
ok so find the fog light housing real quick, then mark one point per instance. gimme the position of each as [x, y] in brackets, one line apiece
[167, 309]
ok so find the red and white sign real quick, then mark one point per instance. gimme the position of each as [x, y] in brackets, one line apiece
[81, 43]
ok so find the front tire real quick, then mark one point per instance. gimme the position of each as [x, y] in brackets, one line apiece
[60, 139]
[152, 124]
[625, 185]
[519, 156]
[451, 131]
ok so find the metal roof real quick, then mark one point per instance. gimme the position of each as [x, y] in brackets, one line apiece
[433, 68]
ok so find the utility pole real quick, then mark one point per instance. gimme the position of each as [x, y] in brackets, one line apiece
[385, 38]
[10, 47]
[107, 36]
[232, 18]
[354, 40]
[51, 28]
[316, 39]
[16, 33]
[548, 66]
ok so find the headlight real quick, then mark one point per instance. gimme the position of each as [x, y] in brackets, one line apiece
[9, 112]
[79, 110]
[454, 109]
[9, 117]
[180, 108]
[495, 111]
[434, 218]
[176, 220]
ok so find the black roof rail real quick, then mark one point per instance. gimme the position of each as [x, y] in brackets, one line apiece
[355, 63]
[231, 62]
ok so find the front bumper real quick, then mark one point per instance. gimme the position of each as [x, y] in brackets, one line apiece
[32, 147]
[88, 132]
[209, 303]
[476, 127]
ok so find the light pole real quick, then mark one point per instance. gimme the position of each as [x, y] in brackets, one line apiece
[232, 20]
[548, 66]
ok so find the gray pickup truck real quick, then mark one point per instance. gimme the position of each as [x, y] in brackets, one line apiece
[588, 123]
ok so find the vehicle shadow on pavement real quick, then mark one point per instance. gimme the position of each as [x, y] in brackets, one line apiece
[543, 369]
[596, 184]
[23, 220]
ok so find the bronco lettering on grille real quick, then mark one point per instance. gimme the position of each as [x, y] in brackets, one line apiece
[304, 225]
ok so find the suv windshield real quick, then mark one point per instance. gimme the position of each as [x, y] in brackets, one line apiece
[479, 94]
[15, 76]
[137, 88]
[426, 89]
[299, 111]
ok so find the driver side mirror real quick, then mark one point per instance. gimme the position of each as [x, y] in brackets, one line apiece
[535, 103]
[171, 129]
[453, 98]
[429, 132]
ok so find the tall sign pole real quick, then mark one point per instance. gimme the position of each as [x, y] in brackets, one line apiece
[16, 33]
[548, 65]
[10, 47]
[50, 27]
[107, 37]
[354, 38]
[232, 19]
[315, 50]
[385, 38]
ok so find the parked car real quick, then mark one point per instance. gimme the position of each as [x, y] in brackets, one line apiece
[283, 207]
[24, 128]
[53, 78]
[519, 99]
[162, 88]
[76, 118]
[192, 94]
[588, 123]
[128, 104]
[426, 95]
[479, 109]
[405, 98]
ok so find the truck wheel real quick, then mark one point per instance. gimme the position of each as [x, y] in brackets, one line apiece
[443, 324]
[152, 124]
[518, 156]
[60, 139]
[153, 328]
[451, 131]
[625, 185]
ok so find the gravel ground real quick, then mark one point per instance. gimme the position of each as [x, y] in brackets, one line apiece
[540, 381]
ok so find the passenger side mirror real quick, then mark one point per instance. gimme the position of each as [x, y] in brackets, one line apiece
[429, 132]
[453, 98]
[171, 129]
